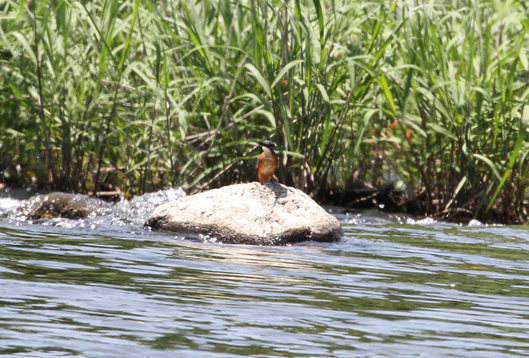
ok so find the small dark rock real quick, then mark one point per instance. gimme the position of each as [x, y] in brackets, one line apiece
[63, 205]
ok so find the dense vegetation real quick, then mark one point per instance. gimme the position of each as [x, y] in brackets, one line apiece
[424, 101]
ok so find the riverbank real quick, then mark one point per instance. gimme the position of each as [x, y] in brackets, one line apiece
[360, 197]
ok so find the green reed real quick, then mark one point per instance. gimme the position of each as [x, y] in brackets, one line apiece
[139, 95]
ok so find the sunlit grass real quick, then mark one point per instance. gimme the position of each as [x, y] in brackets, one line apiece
[141, 94]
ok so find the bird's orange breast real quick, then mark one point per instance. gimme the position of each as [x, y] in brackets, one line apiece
[266, 166]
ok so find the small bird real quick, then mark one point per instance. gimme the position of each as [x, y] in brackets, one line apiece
[267, 162]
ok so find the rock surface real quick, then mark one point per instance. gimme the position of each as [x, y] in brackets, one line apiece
[253, 213]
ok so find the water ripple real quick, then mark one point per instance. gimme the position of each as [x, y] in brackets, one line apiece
[388, 287]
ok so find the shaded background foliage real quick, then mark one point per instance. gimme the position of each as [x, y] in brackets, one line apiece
[424, 101]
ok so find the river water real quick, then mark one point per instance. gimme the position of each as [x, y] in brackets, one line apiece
[394, 286]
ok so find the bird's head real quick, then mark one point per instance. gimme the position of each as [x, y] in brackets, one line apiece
[268, 146]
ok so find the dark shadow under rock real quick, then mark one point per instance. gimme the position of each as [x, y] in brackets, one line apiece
[253, 213]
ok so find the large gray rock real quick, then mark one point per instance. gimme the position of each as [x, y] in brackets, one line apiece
[253, 213]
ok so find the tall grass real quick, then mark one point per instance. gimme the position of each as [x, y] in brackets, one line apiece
[138, 95]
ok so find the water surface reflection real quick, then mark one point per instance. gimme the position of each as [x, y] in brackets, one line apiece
[388, 289]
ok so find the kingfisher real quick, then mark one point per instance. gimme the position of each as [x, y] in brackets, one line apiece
[267, 162]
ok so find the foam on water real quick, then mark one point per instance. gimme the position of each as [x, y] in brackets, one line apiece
[102, 214]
